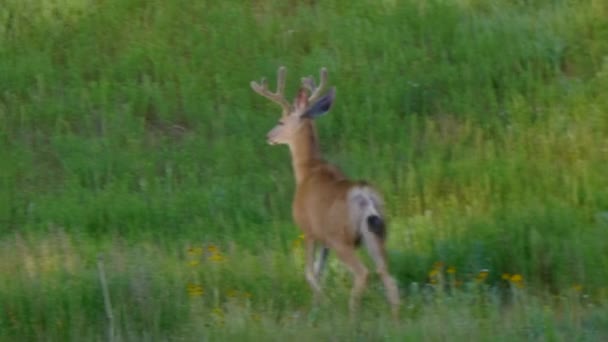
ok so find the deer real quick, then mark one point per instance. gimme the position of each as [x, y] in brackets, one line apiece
[333, 212]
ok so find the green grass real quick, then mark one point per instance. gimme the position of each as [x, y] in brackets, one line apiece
[128, 129]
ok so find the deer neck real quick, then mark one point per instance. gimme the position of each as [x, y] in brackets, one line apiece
[305, 153]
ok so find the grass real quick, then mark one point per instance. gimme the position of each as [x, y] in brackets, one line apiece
[128, 129]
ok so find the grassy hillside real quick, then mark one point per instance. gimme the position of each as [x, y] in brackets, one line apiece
[128, 129]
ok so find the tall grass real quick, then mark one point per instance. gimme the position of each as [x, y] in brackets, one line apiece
[128, 129]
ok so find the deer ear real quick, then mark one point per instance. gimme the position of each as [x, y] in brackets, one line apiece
[322, 106]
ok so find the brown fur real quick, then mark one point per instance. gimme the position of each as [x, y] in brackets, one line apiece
[320, 214]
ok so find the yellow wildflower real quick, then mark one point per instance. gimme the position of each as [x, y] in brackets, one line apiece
[451, 270]
[194, 262]
[195, 290]
[194, 251]
[434, 275]
[217, 257]
[517, 280]
[577, 287]
[505, 276]
[482, 276]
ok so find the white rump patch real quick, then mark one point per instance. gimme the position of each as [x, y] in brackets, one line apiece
[363, 202]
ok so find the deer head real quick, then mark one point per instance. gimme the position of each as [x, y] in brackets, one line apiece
[305, 107]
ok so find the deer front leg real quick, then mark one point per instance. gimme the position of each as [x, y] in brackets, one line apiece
[320, 262]
[310, 268]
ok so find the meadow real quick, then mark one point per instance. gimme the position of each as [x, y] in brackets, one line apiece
[133, 159]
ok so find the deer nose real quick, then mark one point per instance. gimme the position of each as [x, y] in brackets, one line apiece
[269, 139]
[271, 136]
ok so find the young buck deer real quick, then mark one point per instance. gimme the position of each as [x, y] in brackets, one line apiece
[331, 210]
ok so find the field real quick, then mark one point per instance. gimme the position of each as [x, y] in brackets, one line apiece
[133, 159]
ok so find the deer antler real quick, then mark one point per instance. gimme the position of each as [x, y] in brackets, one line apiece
[278, 96]
[309, 83]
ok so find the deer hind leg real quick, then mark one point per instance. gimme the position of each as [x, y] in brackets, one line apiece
[375, 246]
[347, 255]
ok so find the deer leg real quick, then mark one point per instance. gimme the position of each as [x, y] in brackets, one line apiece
[310, 268]
[375, 247]
[320, 262]
[347, 255]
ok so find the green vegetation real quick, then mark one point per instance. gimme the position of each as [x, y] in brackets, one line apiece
[128, 129]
